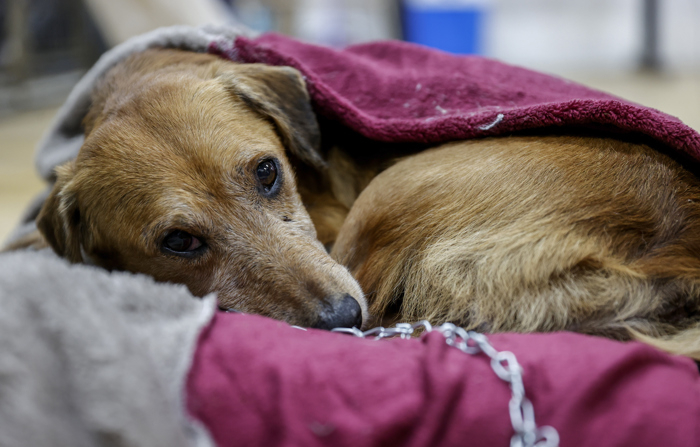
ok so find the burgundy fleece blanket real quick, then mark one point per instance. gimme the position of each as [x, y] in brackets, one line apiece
[256, 381]
[395, 91]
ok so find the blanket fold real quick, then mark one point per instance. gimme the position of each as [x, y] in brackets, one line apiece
[395, 91]
[255, 381]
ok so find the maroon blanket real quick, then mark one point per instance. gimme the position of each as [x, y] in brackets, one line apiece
[394, 91]
[255, 381]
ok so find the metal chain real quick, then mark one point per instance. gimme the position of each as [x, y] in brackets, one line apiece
[503, 363]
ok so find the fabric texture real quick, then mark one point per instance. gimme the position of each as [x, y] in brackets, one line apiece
[256, 381]
[396, 91]
[91, 358]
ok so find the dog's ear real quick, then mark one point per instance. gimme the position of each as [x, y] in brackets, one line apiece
[279, 93]
[59, 218]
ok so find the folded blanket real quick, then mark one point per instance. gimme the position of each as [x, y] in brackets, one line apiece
[255, 381]
[395, 91]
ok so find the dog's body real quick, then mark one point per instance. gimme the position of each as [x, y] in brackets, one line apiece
[531, 234]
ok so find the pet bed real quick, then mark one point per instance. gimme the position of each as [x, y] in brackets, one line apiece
[97, 358]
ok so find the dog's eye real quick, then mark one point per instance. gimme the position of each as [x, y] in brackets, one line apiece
[181, 242]
[267, 174]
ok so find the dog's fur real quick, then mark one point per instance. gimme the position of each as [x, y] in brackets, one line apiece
[521, 233]
[526, 234]
[173, 141]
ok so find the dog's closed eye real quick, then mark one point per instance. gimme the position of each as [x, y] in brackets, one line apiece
[182, 243]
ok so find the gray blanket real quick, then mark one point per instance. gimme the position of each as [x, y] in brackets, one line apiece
[90, 357]
[94, 358]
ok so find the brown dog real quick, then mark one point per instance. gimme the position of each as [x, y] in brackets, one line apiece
[533, 233]
[186, 175]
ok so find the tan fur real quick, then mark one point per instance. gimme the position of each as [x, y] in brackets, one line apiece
[329, 194]
[172, 142]
[533, 234]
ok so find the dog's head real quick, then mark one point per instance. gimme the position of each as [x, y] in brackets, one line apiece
[185, 175]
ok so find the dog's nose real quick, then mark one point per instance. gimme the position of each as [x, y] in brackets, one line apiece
[340, 312]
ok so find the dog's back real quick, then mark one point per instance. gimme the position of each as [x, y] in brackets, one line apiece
[531, 234]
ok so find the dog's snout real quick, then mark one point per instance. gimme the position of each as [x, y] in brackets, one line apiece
[342, 311]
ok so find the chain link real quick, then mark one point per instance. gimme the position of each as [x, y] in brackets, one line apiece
[503, 363]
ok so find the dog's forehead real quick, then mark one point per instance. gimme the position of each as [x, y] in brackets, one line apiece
[197, 115]
[189, 141]
[183, 119]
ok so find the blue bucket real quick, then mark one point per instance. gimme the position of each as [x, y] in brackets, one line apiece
[453, 26]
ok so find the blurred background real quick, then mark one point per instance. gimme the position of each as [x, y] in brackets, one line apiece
[647, 51]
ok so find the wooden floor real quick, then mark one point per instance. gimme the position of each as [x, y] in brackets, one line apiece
[19, 134]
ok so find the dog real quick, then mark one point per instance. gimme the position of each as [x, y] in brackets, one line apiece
[205, 172]
[185, 175]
